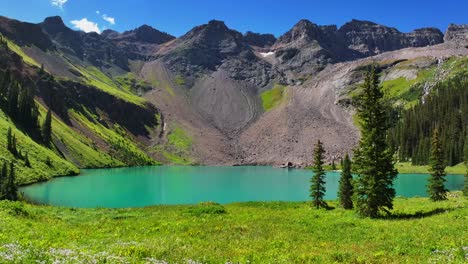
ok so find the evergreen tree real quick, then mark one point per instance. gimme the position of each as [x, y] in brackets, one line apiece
[345, 192]
[13, 91]
[333, 165]
[11, 189]
[47, 128]
[373, 159]
[14, 150]
[27, 163]
[436, 188]
[317, 187]
[3, 178]
[465, 189]
[9, 140]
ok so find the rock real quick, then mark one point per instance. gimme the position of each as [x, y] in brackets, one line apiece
[259, 40]
[457, 33]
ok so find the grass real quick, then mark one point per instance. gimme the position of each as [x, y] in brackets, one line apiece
[404, 91]
[272, 97]
[407, 167]
[122, 148]
[95, 77]
[37, 153]
[18, 50]
[178, 148]
[79, 148]
[179, 80]
[420, 231]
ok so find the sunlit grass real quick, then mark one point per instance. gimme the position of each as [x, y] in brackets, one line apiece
[255, 232]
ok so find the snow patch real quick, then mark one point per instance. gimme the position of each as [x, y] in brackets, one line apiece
[266, 54]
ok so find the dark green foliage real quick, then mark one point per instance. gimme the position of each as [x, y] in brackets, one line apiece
[345, 192]
[18, 102]
[333, 165]
[446, 107]
[317, 187]
[436, 188]
[8, 187]
[3, 179]
[48, 162]
[47, 128]
[27, 163]
[9, 140]
[373, 160]
[465, 189]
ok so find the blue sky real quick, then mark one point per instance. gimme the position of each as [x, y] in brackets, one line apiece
[177, 16]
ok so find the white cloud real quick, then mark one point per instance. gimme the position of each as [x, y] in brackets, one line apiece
[85, 25]
[58, 3]
[109, 19]
[98, 12]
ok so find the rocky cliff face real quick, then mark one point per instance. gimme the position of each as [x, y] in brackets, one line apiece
[90, 47]
[140, 43]
[308, 47]
[457, 33]
[259, 40]
[214, 46]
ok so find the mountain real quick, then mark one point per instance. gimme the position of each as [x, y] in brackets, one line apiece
[214, 95]
[138, 43]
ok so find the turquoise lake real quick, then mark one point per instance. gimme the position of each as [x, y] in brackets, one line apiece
[145, 186]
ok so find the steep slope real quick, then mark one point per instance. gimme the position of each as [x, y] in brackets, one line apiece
[215, 96]
[90, 128]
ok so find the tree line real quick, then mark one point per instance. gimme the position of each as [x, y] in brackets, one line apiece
[446, 109]
[371, 192]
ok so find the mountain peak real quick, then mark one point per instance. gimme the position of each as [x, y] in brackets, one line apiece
[217, 24]
[53, 25]
[144, 33]
[54, 20]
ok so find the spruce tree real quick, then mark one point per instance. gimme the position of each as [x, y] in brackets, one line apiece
[3, 178]
[436, 188]
[11, 189]
[317, 187]
[373, 159]
[47, 128]
[345, 192]
[27, 163]
[465, 189]
[9, 140]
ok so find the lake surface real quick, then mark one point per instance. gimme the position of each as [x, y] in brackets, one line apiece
[144, 186]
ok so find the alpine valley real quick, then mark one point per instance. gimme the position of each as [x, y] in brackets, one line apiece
[213, 96]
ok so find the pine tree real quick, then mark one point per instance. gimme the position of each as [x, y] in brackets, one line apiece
[27, 163]
[333, 165]
[373, 159]
[317, 187]
[9, 140]
[436, 188]
[345, 192]
[47, 128]
[3, 178]
[11, 189]
[465, 189]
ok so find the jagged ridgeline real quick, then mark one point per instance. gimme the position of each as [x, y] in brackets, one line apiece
[446, 108]
[211, 96]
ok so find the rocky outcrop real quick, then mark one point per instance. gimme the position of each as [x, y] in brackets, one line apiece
[208, 47]
[457, 33]
[140, 43]
[259, 40]
[89, 47]
[368, 38]
[23, 33]
[424, 37]
[145, 34]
